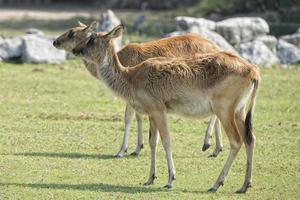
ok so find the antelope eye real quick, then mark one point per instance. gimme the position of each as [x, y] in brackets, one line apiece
[71, 34]
[91, 41]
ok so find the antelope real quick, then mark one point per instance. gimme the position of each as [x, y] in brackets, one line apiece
[220, 83]
[183, 46]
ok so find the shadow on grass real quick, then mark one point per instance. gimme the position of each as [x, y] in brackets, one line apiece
[66, 155]
[101, 187]
[70, 155]
[89, 187]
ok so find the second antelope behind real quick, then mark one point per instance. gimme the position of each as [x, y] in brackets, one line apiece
[216, 83]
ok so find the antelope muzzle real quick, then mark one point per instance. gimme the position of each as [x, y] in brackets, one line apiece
[77, 51]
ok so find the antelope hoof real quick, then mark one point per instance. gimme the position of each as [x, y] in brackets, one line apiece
[149, 182]
[135, 153]
[241, 191]
[119, 155]
[212, 190]
[205, 146]
[215, 153]
[244, 188]
[168, 186]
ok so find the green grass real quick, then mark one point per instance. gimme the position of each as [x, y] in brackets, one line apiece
[59, 129]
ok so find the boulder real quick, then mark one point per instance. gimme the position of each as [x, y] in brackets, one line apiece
[185, 23]
[288, 53]
[107, 22]
[37, 49]
[33, 47]
[242, 29]
[258, 53]
[209, 35]
[214, 37]
[269, 40]
[176, 33]
[10, 48]
[293, 39]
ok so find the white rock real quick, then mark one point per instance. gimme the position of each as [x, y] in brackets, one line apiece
[209, 35]
[293, 39]
[107, 22]
[176, 33]
[288, 53]
[269, 40]
[214, 37]
[10, 48]
[258, 53]
[242, 29]
[185, 23]
[37, 49]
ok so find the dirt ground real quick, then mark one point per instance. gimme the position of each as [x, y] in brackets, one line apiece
[47, 13]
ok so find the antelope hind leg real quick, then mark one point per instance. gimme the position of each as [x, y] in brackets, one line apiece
[208, 133]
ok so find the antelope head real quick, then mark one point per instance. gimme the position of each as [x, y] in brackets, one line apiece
[98, 46]
[72, 37]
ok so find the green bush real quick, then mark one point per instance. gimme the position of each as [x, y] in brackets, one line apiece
[206, 6]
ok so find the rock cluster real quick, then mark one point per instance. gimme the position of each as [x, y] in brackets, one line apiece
[246, 36]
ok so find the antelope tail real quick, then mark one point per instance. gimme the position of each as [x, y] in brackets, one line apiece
[248, 120]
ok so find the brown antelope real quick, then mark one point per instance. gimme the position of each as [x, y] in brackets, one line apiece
[183, 46]
[219, 83]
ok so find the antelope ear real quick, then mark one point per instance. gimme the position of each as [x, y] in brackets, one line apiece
[91, 27]
[115, 32]
[81, 24]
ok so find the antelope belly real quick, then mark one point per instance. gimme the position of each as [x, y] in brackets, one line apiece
[199, 108]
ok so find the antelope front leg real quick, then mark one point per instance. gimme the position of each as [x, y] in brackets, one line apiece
[208, 133]
[153, 138]
[140, 138]
[160, 120]
[219, 141]
[129, 113]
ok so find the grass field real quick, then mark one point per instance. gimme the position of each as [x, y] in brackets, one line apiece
[59, 130]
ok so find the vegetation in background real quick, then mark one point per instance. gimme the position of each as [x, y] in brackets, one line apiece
[205, 7]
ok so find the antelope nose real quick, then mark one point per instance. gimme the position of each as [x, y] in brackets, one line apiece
[56, 43]
[76, 51]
